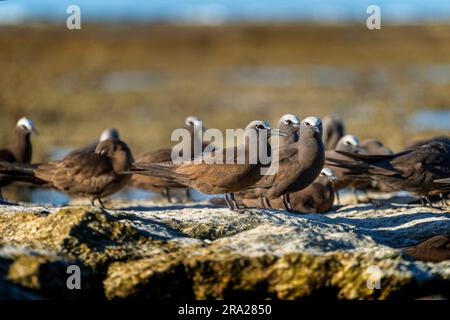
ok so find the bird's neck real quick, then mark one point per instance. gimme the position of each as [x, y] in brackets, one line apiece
[122, 161]
[252, 147]
[292, 136]
[21, 147]
[311, 149]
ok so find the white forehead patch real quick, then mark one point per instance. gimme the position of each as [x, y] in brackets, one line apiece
[327, 171]
[291, 118]
[255, 123]
[193, 121]
[108, 134]
[25, 122]
[350, 139]
[314, 121]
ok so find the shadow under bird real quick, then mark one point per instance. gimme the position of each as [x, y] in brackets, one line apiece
[160, 184]
[296, 165]
[416, 170]
[210, 177]
[333, 131]
[92, 175]
[21, 150]
[318, 197]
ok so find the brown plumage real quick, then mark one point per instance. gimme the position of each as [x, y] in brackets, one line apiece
[413, 170]
[317, 197]
[21, 150]
[420, 142]
[372, 146]
[210, 177]
[435, 249]
[348, 143]
[333, 131]
[109, 133]
[161, 184]
[92, 175]
[299, 164]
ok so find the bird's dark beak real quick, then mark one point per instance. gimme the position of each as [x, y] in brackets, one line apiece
[276, 132]
[34, 130]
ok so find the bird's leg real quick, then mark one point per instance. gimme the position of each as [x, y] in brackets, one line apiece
[101, 203]
[188, 194]
[338, 200]
[166, 193]
[286, 202]
[428, 200]
[233, 201]
[227, 200]
[267, 202]
[263, 205]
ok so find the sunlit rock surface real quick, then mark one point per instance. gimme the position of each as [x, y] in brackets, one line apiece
[145, 250]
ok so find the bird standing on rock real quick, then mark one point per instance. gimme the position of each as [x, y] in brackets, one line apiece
[317, 197]
[93, 175]
[21, 150]
[297, 166]
[160, 184]
[213, 177]
[415, 170]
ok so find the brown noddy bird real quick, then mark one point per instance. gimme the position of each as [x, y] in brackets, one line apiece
[415, 170]
[289, 124]
[21, 150]
[93, 175]
[317, 197]
[109, 133]
[373, 146]
[297, 166]
[421, 142]
[159, 184]
[348, 143]
[333, 131]
[210, 177]
[434, 249]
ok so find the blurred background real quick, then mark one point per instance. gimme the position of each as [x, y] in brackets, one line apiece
[143, 66]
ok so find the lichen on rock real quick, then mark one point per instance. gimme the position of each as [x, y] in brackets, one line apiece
[140, 251]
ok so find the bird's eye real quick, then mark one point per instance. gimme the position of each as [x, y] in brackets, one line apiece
[287, 121]
[259, 127]
[308, 124]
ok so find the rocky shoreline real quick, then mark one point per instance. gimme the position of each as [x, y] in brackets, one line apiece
[146, 250]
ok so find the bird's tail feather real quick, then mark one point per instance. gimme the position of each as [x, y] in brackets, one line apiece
[153, 169]
[19, 172]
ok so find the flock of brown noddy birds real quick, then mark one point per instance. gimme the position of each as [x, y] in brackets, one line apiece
[315, 160]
